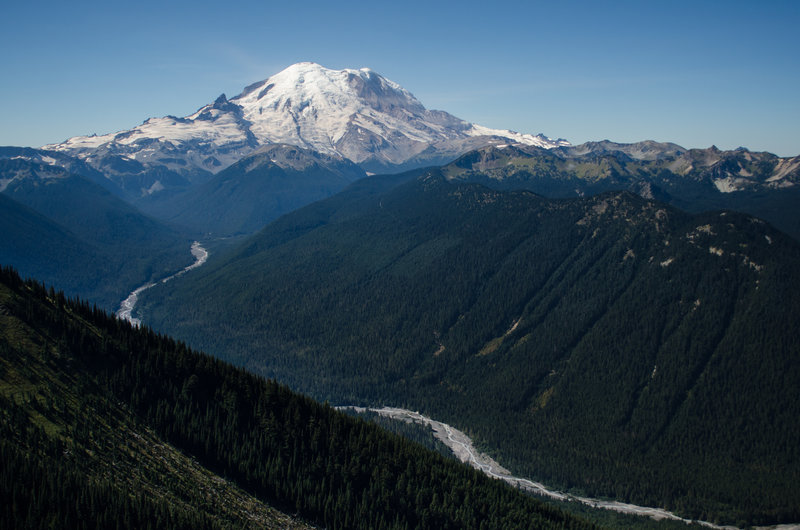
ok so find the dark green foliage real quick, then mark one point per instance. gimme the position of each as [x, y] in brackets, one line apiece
[79, 236]
[31, 242]
[48, 492]
[308, 458]
[259, 188]
[611, 345]
[421, 434]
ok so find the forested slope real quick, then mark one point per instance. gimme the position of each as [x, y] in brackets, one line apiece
[259, 188]
[611, 344]
[108, 425]
[82, 237]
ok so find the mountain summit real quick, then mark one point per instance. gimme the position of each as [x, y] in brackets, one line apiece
[353, 114]
[358, 114]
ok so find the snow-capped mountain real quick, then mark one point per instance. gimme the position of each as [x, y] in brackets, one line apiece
[355, 114]
[359, 115]
[167, 153]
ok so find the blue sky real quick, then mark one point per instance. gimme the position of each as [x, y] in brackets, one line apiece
[694, 73]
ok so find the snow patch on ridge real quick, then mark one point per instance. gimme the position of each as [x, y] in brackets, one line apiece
[525, 139]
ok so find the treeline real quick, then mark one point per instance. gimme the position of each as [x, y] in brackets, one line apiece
[284, 448]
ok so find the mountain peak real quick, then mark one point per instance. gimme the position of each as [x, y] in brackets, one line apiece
[354, 113]
[302, 92]
[359, 114]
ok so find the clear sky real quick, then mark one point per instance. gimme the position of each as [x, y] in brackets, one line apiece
[694, 73]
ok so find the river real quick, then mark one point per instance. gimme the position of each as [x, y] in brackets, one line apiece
[125, 310]
[462, 448]
[457, 441]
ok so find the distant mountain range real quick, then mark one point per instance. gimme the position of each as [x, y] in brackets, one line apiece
[357, 117]
[598, 166]
[695, 180]
[353, 114]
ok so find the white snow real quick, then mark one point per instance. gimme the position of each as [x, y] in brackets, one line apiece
[730, 184]
[81, 142]
[222, 130]
[526, 139]
[307, 104]
[312, 106]
[331, 111]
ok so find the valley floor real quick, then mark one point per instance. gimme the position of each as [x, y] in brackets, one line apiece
[463, 449]
[125, 311]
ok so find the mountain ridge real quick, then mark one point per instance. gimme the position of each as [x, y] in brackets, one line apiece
[114, 426]
[269, 182]
[577, 337]
[355, 114]
[695, 180]
[358, 115]
[82, 236]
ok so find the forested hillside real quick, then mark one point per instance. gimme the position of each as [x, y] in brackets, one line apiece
[612, 345]
[257, 189]
[108, 425]
[65, 229]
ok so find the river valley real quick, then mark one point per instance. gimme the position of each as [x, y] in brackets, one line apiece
[463, 449]
[458, 442]
[127, 306]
